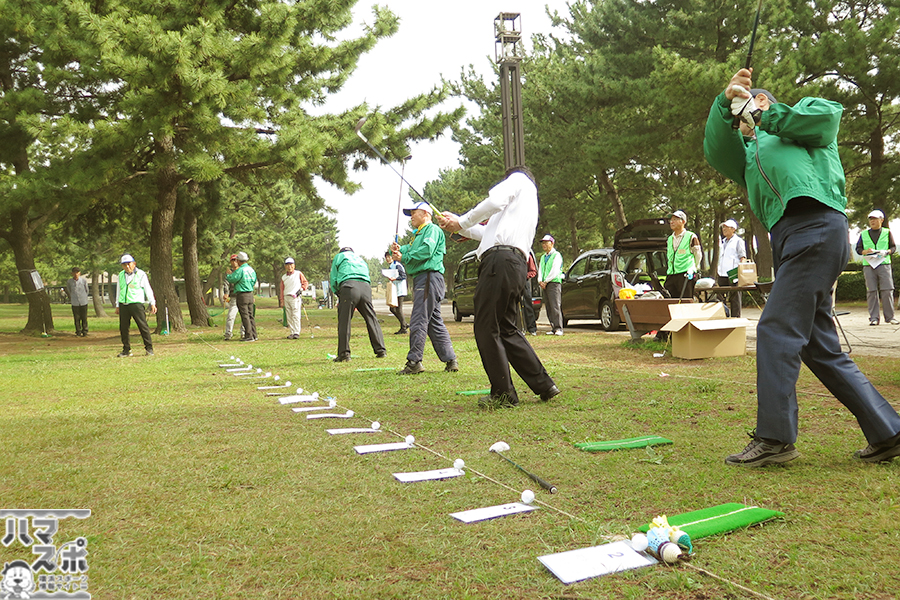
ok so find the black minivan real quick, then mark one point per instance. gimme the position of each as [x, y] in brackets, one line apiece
[464, 288]
[592, 283]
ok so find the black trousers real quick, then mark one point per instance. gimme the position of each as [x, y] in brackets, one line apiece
[135, 311]
[731, 300]
[244, 302]
[679, 286]
[357, 294]
[80, 314]
[397, 311]
[498, 293]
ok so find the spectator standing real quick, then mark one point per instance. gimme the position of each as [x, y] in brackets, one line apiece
[231, 302]
[683, 254]
[732, 252]
[133, 291]
[244, 280]
[77, 289]
[399, 292]
[292, 284]
[876, 245]
[550, 276]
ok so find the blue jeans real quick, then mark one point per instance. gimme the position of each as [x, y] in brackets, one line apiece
[810, 249]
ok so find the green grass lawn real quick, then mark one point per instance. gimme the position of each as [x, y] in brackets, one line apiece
[200, 486]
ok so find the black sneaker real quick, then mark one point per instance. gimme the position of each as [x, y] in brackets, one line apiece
[411, 368]
[452, 366]
[124, 354]
[401, 331]
[761, 452]
[149, 352]
[884, 451]
[344, 358]
[553, 391]
[381, 354]
[501, 401]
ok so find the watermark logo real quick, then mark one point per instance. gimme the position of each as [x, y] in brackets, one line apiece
[52, 571]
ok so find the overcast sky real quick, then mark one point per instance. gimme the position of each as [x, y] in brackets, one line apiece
[434, 39]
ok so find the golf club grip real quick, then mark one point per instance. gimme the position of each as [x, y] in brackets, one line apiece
[736, 121]
[547, 486]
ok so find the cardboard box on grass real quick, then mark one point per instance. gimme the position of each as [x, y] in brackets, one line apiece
[702, 331]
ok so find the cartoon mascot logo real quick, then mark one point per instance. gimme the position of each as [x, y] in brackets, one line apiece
[18, 580]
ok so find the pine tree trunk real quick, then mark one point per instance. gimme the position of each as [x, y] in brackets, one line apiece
[763, 250]
[193, 289]
[97, 288]
[40, 318]
[161, 232]
[607, 187]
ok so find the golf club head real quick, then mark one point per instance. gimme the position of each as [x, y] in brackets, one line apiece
[360, 123]
[499, 447]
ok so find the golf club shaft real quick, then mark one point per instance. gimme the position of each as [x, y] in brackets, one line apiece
[385, 161]
[736, 122]
[547, 486]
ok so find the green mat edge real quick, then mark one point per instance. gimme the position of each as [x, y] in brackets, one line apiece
[657, 441]
[698, 531]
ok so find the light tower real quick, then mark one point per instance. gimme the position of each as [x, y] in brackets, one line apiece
[508, 54]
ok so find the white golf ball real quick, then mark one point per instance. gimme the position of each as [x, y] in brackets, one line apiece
[315, 394]
[249, 367]
[350, 413]
[277, 377]
[410, 439]
[259, 370]
[459, 464]
[332, 403]
[287, 384]
[376, 425]
[299, 390]
[232, 358]
[527, 497]
[639, 542]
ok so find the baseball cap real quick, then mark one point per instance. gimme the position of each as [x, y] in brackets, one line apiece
[877, 214]
[289, 261]
[126, 258]
[233, 257]
[730, 223]
[548, 238]
[680, 214]
[418, 206]
[243, 256]
[757, 91]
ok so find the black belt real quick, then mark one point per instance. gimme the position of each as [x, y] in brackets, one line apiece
[502, 248]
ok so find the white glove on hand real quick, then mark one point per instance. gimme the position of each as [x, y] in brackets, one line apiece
[745, 108]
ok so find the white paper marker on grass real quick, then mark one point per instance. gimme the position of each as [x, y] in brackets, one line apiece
[314, 397]
[351, 430]
[274, 387]
[491, 512]
[382, 447]
[584, 563]
[428, 475]
[349, 414]
[300, 409]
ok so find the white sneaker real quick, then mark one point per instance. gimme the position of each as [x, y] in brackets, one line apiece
[559, 332]
[550, 333]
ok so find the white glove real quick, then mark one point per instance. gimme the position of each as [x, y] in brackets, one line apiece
[745, 108]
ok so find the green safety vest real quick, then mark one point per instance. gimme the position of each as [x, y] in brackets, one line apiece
[680, 260]
[132, 292]
[547, 261]
[881, 244]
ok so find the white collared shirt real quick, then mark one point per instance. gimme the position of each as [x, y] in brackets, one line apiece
[512, 212]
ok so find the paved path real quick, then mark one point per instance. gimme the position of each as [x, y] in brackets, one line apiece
[864, 340]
